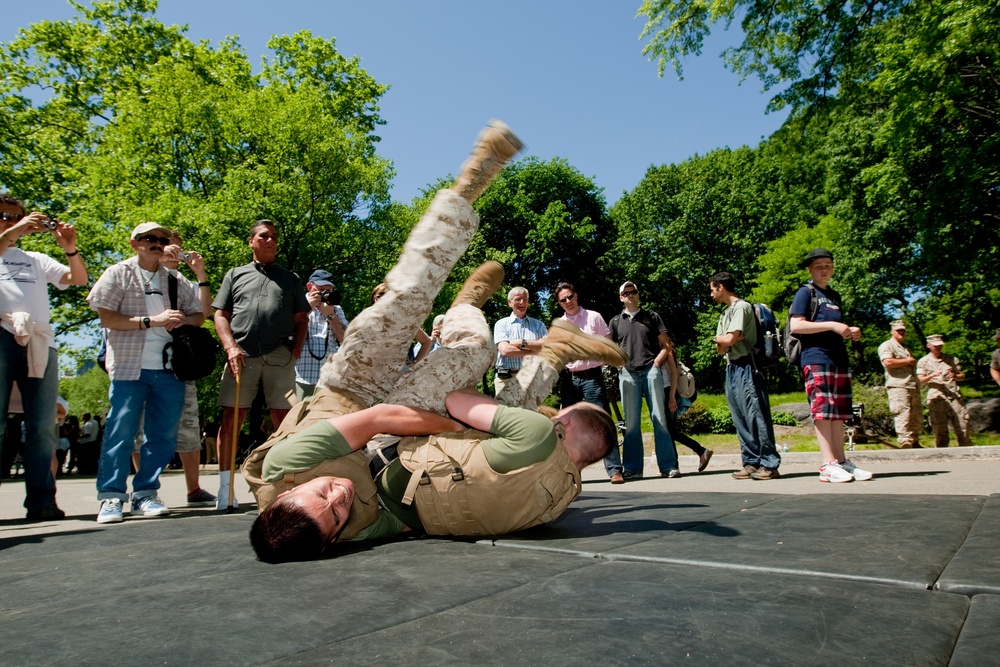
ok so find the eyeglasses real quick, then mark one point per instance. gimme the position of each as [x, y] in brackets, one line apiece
[567, 299]
[11, 217]
[630, 292]
[153, 238]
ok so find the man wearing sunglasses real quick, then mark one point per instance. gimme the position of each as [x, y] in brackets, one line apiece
[643, 335]
[130, 299]
[27, 343]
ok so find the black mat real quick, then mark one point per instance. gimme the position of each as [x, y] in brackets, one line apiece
[643, 578]
[976, 566]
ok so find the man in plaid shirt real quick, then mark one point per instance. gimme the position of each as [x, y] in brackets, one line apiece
[130, 298]
[325, 332]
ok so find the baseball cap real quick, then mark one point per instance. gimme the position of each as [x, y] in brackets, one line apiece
[814, 254]
[897, 324]
[626, 284]
[935, 339]
[321, 277]
[147, 227]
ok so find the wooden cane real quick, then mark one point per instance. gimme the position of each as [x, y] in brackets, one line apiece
[232, 454]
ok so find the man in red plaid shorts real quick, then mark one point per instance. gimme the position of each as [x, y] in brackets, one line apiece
[817, 318]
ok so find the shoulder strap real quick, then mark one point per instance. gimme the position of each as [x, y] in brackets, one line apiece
[813, 302]
[172, 290]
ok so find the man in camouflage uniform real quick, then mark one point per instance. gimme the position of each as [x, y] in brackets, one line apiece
[941, 373]
[902, 387]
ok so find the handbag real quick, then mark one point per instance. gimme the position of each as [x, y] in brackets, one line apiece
[195, 350]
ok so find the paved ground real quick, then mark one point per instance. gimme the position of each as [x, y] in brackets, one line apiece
[703, 570]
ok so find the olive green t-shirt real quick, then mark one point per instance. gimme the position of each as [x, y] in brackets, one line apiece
[521, 438]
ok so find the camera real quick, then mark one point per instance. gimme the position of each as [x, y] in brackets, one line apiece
[50, 223]
[329, 297]
[184, 255]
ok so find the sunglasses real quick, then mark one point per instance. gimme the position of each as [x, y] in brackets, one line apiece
[567, 299]
[11, 217]
[153, 238]
[630, 292]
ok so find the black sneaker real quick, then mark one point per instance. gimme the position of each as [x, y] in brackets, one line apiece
[745, 473]
[50, 512]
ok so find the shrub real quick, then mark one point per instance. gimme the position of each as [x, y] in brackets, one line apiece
[695, 420]
[721, 420]
[780, 418]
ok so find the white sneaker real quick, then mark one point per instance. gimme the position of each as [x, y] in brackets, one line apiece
[856, 472]
[222, 503]
[149, 506]
[834, 472]
[111, 511]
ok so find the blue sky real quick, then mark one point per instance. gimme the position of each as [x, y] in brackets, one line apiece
[568, 76]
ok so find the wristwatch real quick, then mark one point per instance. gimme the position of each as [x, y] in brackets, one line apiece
[145, 322]
[524, 344]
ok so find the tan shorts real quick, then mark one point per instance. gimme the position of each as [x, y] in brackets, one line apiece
[276, 370]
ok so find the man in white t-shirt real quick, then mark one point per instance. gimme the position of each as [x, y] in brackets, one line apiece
[27, 343]
[131, 299]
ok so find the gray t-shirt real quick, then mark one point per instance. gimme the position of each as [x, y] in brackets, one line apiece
[263, 302]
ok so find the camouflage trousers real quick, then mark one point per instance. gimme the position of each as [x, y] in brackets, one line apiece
[944, 412]
[908, 411]
[369, 362]
[531, 385]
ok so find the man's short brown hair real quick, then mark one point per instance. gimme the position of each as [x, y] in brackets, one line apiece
[284, 533]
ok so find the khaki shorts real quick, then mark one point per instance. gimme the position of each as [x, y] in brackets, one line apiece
[276, 370]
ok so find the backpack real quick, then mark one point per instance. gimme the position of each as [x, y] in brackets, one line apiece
[767, 351]
[685, 380]
[793, 344]
[195, 351]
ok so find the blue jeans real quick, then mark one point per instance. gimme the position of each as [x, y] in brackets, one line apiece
[160, 396]
[38, 396]
[746, 393]
[635, 386]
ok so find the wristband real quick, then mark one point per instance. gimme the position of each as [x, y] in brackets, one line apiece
[71, 254]
[205, 284]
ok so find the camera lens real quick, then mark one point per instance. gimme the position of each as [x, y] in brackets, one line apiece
[50, 223]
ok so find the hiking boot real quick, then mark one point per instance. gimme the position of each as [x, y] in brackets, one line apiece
[481, 285]
[617, 478]
[745, 473]
[565, 342]
[149, 506]
[50, 512]
[704, 458]
[856, 472]
[111, 511]
[765, 473]
[834, 472]
[494, 148]
[200, 498]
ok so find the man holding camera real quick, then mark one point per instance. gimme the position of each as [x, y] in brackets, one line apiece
[325, 332]
[27, 343]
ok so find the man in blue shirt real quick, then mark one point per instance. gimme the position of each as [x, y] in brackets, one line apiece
[516, 337]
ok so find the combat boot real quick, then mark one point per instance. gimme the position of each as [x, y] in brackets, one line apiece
[494, 148]
[565, 342]
[481, 285]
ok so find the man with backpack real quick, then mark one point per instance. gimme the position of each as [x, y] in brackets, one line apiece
[817, 319]
[746, 390]
[130, 298]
